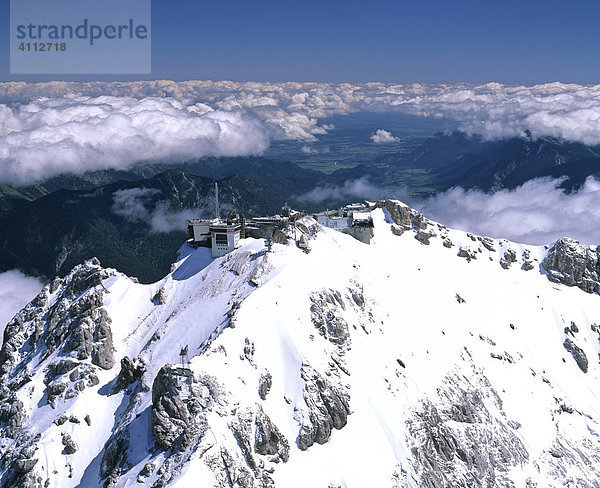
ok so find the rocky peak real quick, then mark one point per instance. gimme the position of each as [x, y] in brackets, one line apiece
[66, 331]
[572, 264]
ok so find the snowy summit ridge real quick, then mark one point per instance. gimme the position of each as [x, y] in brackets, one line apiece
[430, 358]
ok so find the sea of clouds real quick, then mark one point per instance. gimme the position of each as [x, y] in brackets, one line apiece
[48, 128]
[48, 137]
[537, 212]
[55, 127]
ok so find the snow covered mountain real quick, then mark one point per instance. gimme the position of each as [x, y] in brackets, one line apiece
[430, 358]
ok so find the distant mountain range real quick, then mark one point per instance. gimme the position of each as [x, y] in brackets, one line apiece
[49, 227]
[48, 236]
[459, 160]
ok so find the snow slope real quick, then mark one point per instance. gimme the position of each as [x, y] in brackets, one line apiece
[398, 363]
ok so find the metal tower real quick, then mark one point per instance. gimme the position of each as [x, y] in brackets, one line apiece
[216, 201]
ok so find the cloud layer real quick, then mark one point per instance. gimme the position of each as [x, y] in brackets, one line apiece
[16, 291]
[569, 111]
[48, 128]
[75, 135]
[538, 212]
[351, 191]
[135, 205]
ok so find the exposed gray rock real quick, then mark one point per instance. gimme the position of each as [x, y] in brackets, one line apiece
[59, 368]
[397, 230]
[241, 427]
[527, 265]
[570, 263]
[268, 439]
[69, 443]
[577, 353]
[326, 319]
[459, 443]
[448, 243]
[19, 464]
[264, 385]
[399, 212]
[114, 455]
[146, 471]
[178, 400]
[55, 285]
[131, 371]
[424, 236]
[61, 420]
[170, 416]
[328, 408]
[248, 349]
[488, 243]
[418, 220]
[510, 256]
[160, 297]
[103, 350]
[467, 253]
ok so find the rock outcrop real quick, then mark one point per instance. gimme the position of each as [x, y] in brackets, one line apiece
[458, 442]
[577, 353]
[131, 371]
[268, 439]
[399, 212]
[572, 264]
[328, 409]
[174, 406]
[67, 328]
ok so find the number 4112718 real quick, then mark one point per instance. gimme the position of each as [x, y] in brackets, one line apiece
[42, 46]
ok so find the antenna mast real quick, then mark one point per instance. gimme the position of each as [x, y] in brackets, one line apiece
[216, 201]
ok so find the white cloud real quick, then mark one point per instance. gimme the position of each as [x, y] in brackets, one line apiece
[382, 136]
[75, 135]
[16, 291]
[538, 212]
[313, 150]
[351, 191]
[47, 128]
[139, 205]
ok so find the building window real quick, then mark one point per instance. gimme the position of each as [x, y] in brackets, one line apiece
[221, 239]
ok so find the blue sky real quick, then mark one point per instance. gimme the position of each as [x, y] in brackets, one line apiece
[391, 41]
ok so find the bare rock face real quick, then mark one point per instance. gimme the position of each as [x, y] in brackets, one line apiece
[448, 242]
[102, 349]
[423, 236]
[572, 264]
[325, 318]
[160, 297]
[328, 409]
[131, 371]
[264, 385]
[458, 442]
[178, 400]
[467, 253]
[170, 413]
[399, 212]
[577, 353]
[510, 257]
[69, 443]
[65, 322]
[268, 439]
